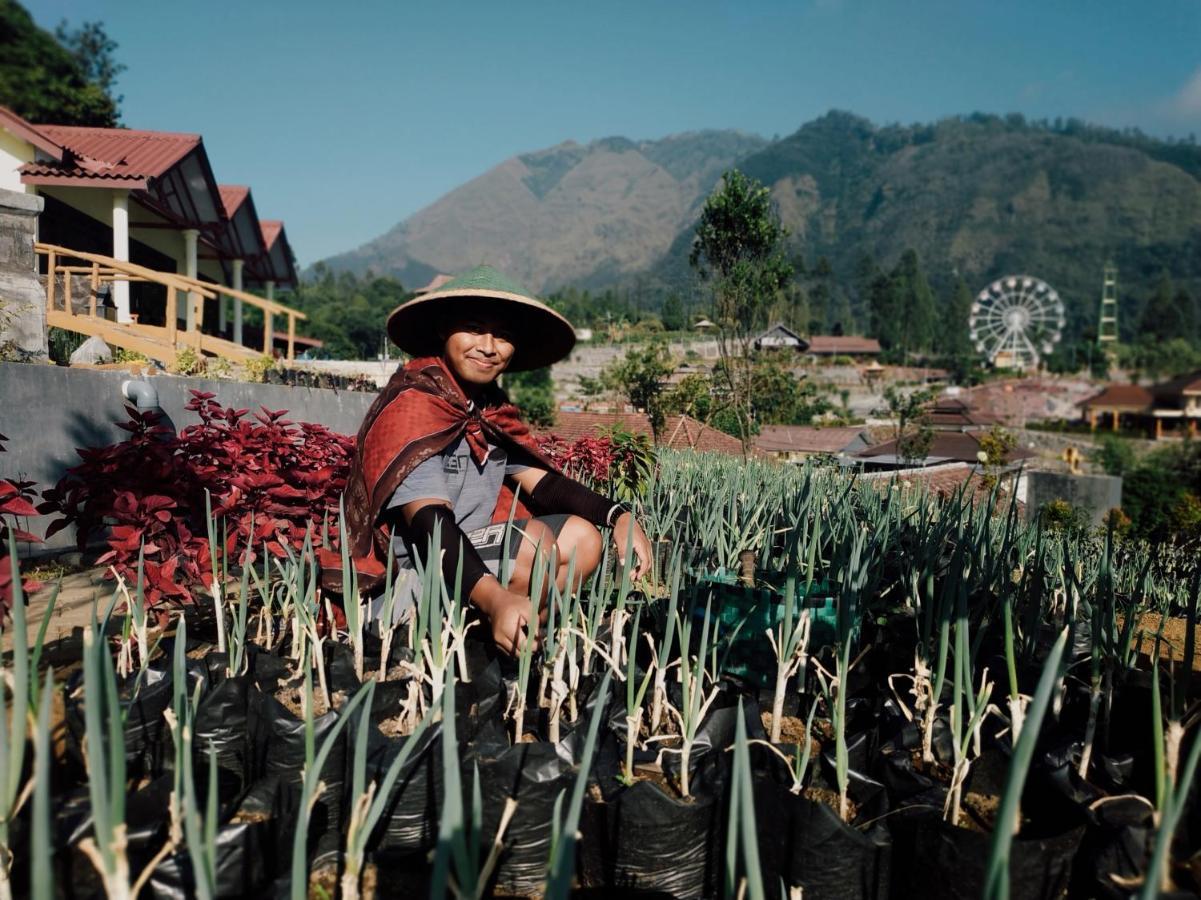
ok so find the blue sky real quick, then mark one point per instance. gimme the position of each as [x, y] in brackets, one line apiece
[347, 117]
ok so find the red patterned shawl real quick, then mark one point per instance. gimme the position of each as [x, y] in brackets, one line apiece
[419, 413]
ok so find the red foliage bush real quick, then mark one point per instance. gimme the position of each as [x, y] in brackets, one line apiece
[15, 500]
[150, 491]
[589, 459]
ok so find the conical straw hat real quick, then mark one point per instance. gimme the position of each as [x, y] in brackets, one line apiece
[543, 336]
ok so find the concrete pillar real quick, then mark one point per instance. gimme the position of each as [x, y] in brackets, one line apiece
[23, 307]
[237, 285]
[190, 236]
[269, 324]
[120, 252]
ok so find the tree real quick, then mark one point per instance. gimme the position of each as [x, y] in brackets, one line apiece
[952, 331]
[738, 252]
[42, 81]
[534, 394]
[94, 53]
[914, 303]
[913, 434]
[673, 313]
[640, 376]
[1168, 314]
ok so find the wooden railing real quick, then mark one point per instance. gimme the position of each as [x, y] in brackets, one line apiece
[160, 342]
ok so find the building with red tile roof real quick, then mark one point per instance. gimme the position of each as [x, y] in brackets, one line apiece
[842, 345]
[679, 432]
[947, 446]
[795, 443]
[147, 198]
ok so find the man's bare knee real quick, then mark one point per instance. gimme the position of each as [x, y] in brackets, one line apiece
[580, 540]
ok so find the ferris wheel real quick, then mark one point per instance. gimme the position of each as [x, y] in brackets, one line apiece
[1016, 320]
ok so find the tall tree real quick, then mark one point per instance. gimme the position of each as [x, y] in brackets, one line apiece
[952, 333]
[42, 81]
[915, 301]
[738, 251]
[673, 313]
[1168, 314]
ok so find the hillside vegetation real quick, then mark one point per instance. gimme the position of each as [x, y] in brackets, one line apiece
[977, 196]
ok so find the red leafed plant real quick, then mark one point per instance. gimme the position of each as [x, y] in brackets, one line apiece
[618, 462]
[150, 491]
[588, 459]
[15, 500]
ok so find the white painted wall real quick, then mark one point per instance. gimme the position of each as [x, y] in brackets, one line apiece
[14, 153]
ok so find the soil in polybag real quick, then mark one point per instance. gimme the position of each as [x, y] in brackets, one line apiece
[533, 774]
[936, 859]
[646, 837]
[250, 851]
[282, 754]
[804, 843]
[147, 741]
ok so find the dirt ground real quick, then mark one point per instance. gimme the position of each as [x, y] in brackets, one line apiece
[72, 610]
[1174, 631]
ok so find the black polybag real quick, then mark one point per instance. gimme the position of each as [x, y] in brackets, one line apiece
[282, 752]
[938, 860]
[143, 699]
[805, 844]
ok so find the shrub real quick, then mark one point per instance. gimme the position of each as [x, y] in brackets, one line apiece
[618, 462]
[257, 368]
[149, 491]
[187, 362]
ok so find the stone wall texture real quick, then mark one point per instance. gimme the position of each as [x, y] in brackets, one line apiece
[22, 299]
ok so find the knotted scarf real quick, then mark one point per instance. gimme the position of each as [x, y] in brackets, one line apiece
[419, 413]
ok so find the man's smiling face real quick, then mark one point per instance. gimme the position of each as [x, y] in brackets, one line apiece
[478, 345]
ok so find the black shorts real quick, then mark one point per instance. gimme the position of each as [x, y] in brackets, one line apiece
[489, 541]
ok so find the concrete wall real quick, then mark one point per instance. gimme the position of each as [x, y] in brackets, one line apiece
[1096, 493]
[22, 298]
[46, 412]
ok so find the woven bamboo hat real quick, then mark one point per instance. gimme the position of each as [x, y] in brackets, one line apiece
[542, 335]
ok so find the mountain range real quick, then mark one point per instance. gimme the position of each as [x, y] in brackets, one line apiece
[979, 196]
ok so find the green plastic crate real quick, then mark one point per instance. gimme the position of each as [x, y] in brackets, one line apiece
[744, 614]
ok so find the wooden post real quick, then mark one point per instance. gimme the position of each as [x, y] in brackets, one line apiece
[95, 289]
[51, 262]
[1158, 428]
[67, 299]
[172, 317]
[1092, 419]
[267, 336]
[1115, 420]
[291, 337]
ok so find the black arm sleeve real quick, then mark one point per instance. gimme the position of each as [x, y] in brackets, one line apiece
[557, 493]
[439, 519]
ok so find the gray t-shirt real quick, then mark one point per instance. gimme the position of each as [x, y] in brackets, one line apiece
[453, 475]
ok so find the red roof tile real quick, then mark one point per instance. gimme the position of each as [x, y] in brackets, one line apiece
[679, 432]
[849, 344]
[943, 481]
[1120, 396]
[961, 446]
[29, 133]
[271, 229]
[805, 438]
[232, 196]
[111, 153]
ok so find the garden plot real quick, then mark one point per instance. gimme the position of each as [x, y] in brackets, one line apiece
[823, 689]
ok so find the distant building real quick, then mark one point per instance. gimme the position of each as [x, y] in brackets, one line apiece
[953, 414]
[679, 432]
[796, 443]
[947, 446]
[823, 345]
[781, 337]
[1171, 407]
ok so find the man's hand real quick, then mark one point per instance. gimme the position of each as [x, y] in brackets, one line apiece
[622, 529]
[511, 615]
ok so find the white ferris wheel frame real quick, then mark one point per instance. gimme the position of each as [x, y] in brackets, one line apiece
[1018, 318]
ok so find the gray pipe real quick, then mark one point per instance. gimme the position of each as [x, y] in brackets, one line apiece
[143, 394]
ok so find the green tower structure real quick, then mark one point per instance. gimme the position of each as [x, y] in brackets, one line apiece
[1107, 324]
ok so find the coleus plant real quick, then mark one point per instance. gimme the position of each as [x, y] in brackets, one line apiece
[267, 476]
[15, 500]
